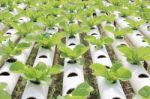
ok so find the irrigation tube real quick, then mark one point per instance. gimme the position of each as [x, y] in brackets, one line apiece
[7, 76]
[73, 73]
[107, 91]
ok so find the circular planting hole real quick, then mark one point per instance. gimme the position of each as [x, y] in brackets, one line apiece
[11, 60]
[93, 27]
[138, 35]
[116, 98]
[101, 56]
[31, 98]
[143, 76]
[43, 56]
[94, 34]
[4, 74]
[72, 44]
[8, 33]
[72, 61]
[94, 14]
[123, 44]
[143, 41]
[70, 90]
[35, 82]
[72, 75]
[71, 37]
[107, 67]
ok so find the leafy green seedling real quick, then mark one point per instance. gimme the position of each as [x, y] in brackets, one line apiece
[2, 37]
[74, 54]
[135, 55]
[81, 92]
[41, 72]
[100, 42]
[116, 72]
[135, 24]
[45, 40]
[12, 49]
[145, 92]
[119, 33]
[3, 93]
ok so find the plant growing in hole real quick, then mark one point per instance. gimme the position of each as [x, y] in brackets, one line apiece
[11, 49]
[2, 37]
[40, 73]
[125, 12]
[92, 21]
[108, 18]
[4, 3]
[116, 72]
[3, 93]
[144, 92]
[144, 13]
[73, 54]
[135, 24]
[135, 55]
[49, 21]
[73, 29]
[5, 15]
[119, 2]
[99, 42]
[25, 28]
[81, 92]
[45, 40]
[119, 33]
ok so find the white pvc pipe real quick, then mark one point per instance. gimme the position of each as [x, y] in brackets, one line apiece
[144, 29]
[12, 78]
[107, 91]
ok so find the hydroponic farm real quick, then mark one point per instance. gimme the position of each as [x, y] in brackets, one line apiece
[74, 49]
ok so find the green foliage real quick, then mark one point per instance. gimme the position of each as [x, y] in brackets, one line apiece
[119, 2]
[2, 37]
[116, 72]
[125, 12]
[100, 42]
[144, 13]
[81, 92]
[73, 54]
[45, 40]
[3, 93]
[108, 18]
[41, 72]
[135, 24]
[118, 32]
[135, 55]
[25, 28]
[144, 92]
[12, 49]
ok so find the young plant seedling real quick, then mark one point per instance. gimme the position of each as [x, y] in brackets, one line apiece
[135, 55]
[38, 74]
[73, 54]
[145, 92]
[11, 49]
[100, 42]
[119, 33]
[45, 40]
[3, 93]
[116, 72]
[2, 37]
[81, 92]
[135, 24]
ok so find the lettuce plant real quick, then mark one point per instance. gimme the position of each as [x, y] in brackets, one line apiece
[119, 2]
[45, 40]
[100, 42]
[135, 24]
[108, 18]
[12, 49]
[2, 37]
[3, 93]
[73, 54]
[119, 33]
[81, 92]
[116, 72]
[145, 92]
[135, 55]
[25, 28]
[144, 13]
[125, 12]
[49, 21]
[41, 72]
[73, 29]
